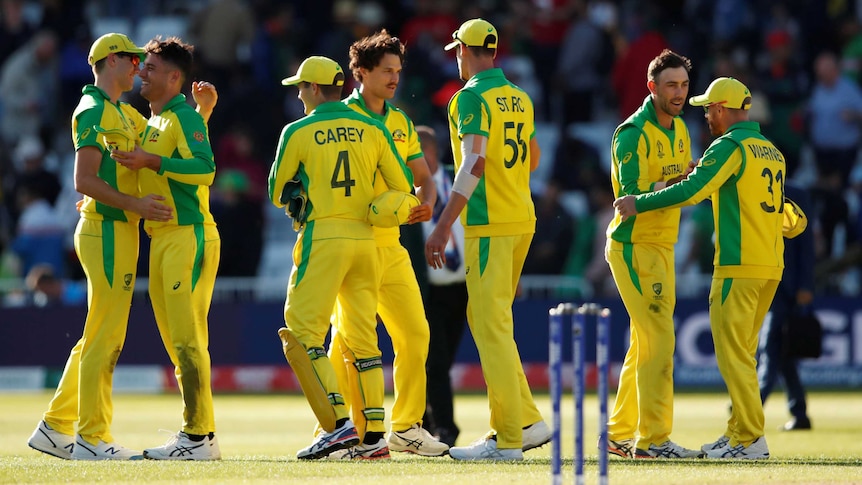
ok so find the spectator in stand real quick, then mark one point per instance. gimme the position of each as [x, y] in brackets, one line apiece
[40, 234]
[14, 29]
[222, 33]
[549, 21]
[784, 83]
[579, 73]
[635, 58]
[554, 234]
[238, 211]
[29, 159]
[46, 289]
[28, 88]
[834, 113]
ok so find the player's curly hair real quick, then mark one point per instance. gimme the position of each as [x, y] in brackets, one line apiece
[174, 51]
[368, 51]
[668, 59]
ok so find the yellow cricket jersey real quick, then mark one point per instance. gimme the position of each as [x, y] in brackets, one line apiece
[337, 152]
[643, 153]
[178, 134]
[95, 109]
[744, 173]
[491, 106]
[407, 145]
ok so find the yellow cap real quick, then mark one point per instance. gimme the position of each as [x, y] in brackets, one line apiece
[318, 70]
[725, 91]
[391, 208]
[476, 33]
[112, 44]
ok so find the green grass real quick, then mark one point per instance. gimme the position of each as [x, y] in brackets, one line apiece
[259, 437]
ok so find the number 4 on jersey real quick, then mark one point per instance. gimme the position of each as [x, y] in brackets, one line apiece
[341, 174]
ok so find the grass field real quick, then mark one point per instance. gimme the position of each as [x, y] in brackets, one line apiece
[260, 434]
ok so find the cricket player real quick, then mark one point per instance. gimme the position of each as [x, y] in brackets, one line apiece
[106, 242]
[492, 131]
[336, 154]
[375, 62]
[743, 173]
[651, 149]
[175, 160]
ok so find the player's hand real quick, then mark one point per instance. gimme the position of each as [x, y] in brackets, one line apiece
[420, 213]
[435, 247]
[205, 95]
[151, 209]
[79, 204]
[136, 159]
[626, 206]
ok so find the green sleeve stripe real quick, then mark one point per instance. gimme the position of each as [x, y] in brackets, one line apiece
[279, 154]
[415, 156]
[307, 238]
[108, 245]
[484, 253]
[628, 257]
[199, 254]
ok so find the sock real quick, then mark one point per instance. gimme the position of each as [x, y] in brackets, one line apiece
[339, 423]
[372, 437]
[196, 437]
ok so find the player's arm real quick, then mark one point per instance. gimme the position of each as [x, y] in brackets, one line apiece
[284, 167]
[87, 182]
[630, 155]
[535, 154]
[472, 168]
[206, 97]
[426, 190]
[720, 162]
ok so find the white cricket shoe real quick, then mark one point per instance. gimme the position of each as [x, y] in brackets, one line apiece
[668, 449]
[416, 440]
[325, 443]
[485, 449]
[103, 451]
[536, 435]
[52, 442]
[757, 450]
[362, 451]
[180, 447]
[721, 442]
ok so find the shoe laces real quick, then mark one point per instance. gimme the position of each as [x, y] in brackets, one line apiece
[668, 449]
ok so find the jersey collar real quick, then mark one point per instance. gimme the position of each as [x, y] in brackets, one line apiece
[93, 90]
[744, 125]
[356, 97]
[180, 98]
[330, 107]
[487, 74]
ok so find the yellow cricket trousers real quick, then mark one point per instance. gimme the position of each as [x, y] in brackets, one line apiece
[493, 267]
[644, 275]
[108, 251]
[401, 309]
[343, 270]
[737, 307]
[183, 266]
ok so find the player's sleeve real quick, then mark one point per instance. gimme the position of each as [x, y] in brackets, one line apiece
[395, 172]
[630, 155]
[84, 133]
[195, 165]
[414, 148]
[720, 161]
[471, 115]
[284, 167]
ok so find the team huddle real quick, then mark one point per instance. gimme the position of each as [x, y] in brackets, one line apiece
[348, 174]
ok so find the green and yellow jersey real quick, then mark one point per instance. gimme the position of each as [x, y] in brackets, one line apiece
[643, 153]
[178, 134]
[337, 152]
[744, 174]
[406, 142]
[491, 106]
[95, 109]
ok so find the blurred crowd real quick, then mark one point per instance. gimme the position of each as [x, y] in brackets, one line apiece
[583, 62]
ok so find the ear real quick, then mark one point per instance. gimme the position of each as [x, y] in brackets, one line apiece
[651, 85]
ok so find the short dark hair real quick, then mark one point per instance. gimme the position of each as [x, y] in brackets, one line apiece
[330, 92]
[668, 59]
[174, 51]
[368, 51]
